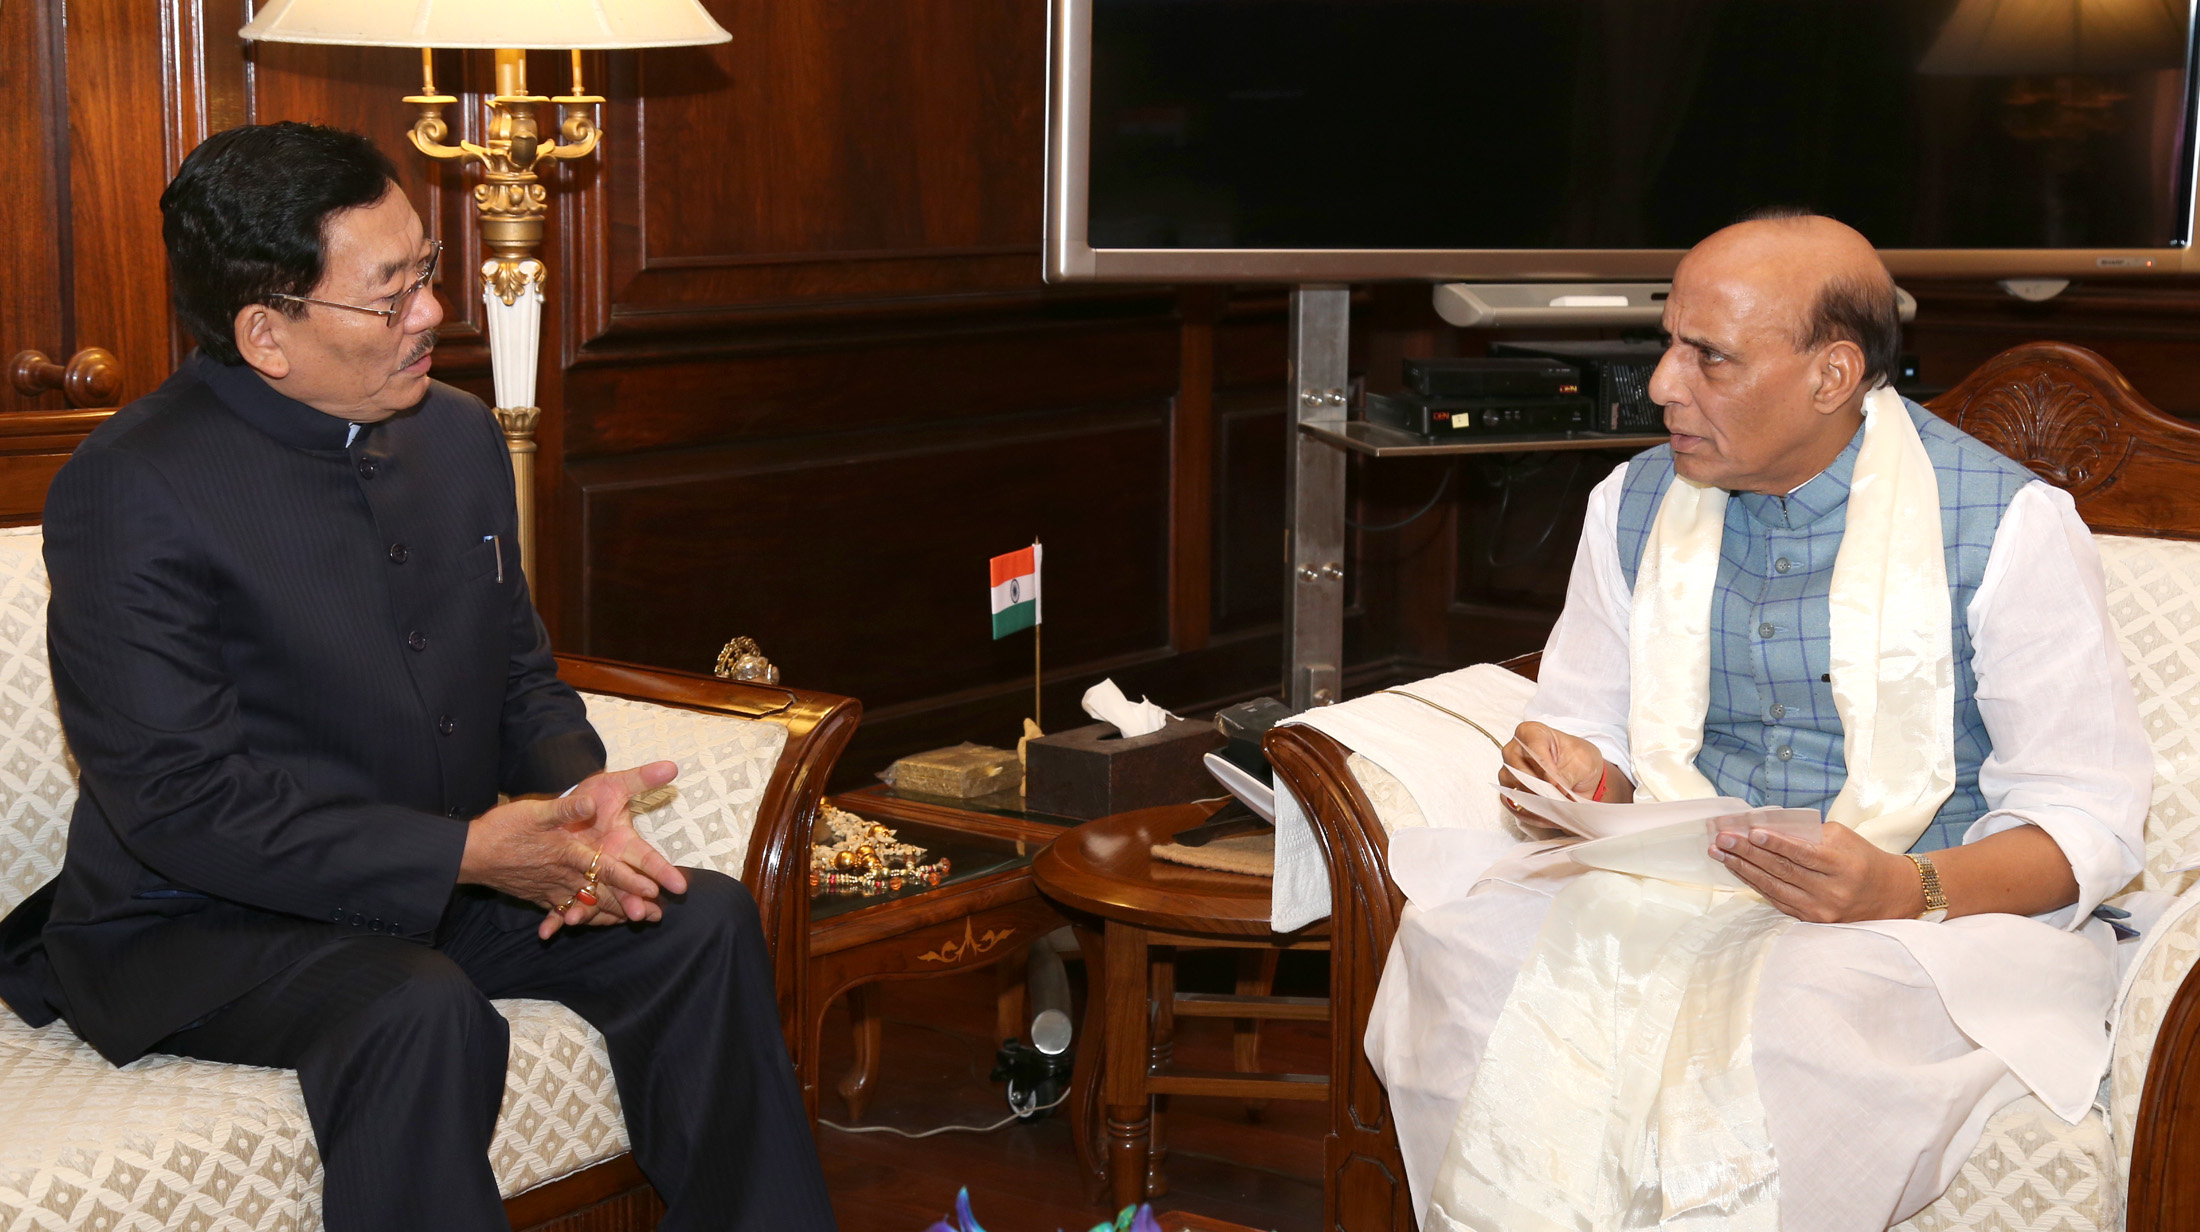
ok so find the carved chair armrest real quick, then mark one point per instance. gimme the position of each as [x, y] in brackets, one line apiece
[1364, 1179]
[776, 868]
[1363, 1174]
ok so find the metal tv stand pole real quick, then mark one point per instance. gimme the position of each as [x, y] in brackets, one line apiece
[1321, 435]
[1313, 616]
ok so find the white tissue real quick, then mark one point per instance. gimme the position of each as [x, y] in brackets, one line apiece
[1105, 702]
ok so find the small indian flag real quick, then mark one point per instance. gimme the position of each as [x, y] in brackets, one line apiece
[1015, 591]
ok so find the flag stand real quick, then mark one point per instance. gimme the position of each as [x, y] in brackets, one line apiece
[1010, 606]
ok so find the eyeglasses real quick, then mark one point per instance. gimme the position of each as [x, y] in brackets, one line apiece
[399, 302]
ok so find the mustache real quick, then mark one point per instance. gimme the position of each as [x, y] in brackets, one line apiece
[427, 344]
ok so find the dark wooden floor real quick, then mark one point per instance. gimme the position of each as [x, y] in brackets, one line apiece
[1255, 1167]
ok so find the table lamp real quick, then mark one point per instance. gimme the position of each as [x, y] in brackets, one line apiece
[510, 198]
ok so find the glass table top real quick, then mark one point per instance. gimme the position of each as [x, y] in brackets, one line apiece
[1001, 804]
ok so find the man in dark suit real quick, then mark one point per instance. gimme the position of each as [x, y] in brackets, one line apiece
[297, 664]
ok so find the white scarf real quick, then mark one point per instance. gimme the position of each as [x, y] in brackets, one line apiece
[1889, 639]
[1616, 1091]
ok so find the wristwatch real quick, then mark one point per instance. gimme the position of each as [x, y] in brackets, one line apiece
[1936, 902]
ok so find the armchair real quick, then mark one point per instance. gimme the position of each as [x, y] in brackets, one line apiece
[2135, 1160]
[173, 1142]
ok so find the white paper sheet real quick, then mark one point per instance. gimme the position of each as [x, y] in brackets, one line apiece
[1669, 840]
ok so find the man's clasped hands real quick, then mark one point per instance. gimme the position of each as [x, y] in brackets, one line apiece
[543, 851]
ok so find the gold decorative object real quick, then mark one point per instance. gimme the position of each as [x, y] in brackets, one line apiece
[850, 855]
[510, 199]
[652, 800]
[955, 951]
[743, 659]
[963, 772]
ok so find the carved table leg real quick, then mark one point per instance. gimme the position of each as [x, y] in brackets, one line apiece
[1159, 1053]
[1087, 1079]
[1256, 977]
[866, 1025]
[1124, 985]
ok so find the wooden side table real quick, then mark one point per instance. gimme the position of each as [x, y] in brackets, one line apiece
[987, 912]
[1147, 908]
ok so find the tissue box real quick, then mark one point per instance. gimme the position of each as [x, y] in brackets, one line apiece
[1092, 772]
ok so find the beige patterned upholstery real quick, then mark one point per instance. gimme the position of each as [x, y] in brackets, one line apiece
[173, 1143]
[2154, 600]
[725, 765]
[1395, 807]
[37, 779]
[2031, 1171]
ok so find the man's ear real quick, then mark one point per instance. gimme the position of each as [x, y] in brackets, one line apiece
[1839, 375]
[260, 336]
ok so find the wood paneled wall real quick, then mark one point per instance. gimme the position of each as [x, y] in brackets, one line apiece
[802, 377]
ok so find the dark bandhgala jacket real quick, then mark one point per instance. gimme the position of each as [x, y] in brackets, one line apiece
[289, 668]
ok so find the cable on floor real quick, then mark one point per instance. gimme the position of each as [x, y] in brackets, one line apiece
[1019, 1114]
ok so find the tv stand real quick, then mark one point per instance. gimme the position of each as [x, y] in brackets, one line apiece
[1321, 434]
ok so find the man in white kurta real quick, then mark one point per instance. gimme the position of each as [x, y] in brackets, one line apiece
[1834, 1043]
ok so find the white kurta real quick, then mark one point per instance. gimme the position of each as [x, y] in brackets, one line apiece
[1873, 1093]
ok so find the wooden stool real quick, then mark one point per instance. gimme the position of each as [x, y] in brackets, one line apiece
[1148, 908]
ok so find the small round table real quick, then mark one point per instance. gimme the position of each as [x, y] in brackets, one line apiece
[1147, 908]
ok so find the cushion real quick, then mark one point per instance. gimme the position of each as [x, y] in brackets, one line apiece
[1395, 807]
[2154, 602]
[2031, 1173]
[37, 779]
[726, 762]
[169, 1142]
[2168, 950]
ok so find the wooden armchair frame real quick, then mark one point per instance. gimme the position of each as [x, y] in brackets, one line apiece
[2063, 412]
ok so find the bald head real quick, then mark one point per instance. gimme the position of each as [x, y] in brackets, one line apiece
[1780, 326]
[1822, 274]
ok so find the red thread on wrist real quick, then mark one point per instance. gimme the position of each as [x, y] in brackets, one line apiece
[1602, 774]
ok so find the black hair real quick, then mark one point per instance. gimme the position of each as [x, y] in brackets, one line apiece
[244, 220]
[1849, 308]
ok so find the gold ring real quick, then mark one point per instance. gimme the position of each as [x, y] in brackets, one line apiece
[593, 862]
[565, 906]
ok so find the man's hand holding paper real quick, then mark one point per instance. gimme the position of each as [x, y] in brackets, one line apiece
[1563, 760]
[1840, 879]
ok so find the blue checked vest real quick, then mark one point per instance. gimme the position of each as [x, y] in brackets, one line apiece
[1771, 736]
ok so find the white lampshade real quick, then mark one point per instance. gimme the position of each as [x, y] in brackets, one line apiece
[2025, 37]
[549, 25]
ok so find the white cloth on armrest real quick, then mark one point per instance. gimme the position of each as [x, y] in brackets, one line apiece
[1450, 769]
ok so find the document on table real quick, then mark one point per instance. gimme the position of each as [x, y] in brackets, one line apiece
[1667, 839]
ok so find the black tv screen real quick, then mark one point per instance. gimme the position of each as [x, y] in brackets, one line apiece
[1629, 124]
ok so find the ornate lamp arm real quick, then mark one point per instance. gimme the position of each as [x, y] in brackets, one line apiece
[577, 132]
[429, 130]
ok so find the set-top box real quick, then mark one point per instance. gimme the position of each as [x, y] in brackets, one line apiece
[1475, 377]
[1615, 375]
[1440, 417]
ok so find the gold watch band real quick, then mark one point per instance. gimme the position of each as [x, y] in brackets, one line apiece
[1936, 901]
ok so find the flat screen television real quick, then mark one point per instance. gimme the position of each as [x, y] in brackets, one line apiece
[1527, 140]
